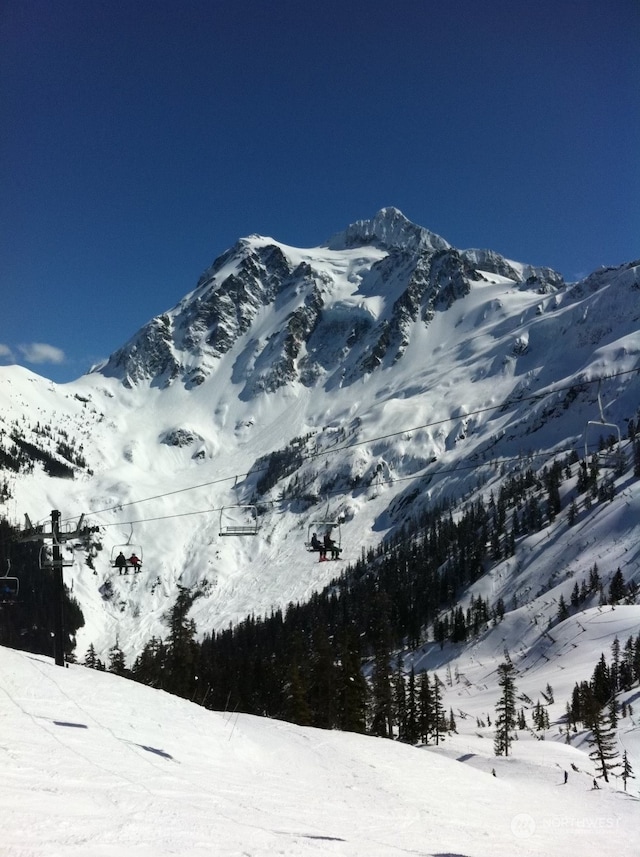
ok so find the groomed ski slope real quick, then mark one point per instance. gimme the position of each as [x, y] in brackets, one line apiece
[94, 765]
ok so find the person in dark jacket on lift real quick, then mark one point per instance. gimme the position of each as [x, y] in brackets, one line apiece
[331, 546]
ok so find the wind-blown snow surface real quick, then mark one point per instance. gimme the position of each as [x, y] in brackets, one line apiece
[93, 764]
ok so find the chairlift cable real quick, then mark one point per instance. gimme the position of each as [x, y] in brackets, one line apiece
[312, 455]
[490, 462]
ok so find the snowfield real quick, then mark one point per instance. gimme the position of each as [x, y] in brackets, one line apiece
[94, 765]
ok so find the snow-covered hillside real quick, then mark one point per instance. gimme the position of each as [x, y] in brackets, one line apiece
[393, 371]
[95, 764]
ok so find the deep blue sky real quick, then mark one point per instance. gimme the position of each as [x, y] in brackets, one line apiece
[140, 138]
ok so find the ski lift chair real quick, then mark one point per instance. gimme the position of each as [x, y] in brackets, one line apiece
[131, 554]
[610, 457]
[323, 527]
[47, 560]
[606, 457]
[231, 526]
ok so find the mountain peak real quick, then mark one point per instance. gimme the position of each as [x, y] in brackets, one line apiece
[388, 229]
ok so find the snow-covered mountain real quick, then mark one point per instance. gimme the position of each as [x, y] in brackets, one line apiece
[326, 317]
[363, 380]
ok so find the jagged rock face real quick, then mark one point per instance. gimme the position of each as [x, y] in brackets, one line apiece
[149, 355]
[434, 281]
[277, 363]
[317, 327]
[226, 311]
[206, 323]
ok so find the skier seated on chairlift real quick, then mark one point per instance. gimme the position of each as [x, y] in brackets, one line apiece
[120, 563]
[316, 544]
[331, 546]
[134, 562]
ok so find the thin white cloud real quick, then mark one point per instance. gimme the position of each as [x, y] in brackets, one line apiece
[40, 352]
[5, 352]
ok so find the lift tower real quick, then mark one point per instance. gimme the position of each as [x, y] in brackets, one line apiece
[56, 563]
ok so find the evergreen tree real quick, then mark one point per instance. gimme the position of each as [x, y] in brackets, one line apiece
[620, 463]
[601, 681]
[439, 722]
[322, 692]
[534, 514]
[505, 709]
[496, 549]
[182, 649]
[352, 686]
[617, 588]
[554, 503]
[625, 673]
[90, 659]
[584, 592]
[615, 665]
[572, 513]
[400, 700]
[594, 579]
[583, 478]
[459, 631]
[149, 666]
[563, 610]
[381, 719]
[540, 716]
[297, 708]
[451, 725]
[117, 662]
[425, 707]
[594, 472]
[602, 742]
[515, 524]
[412, 731]
[575, 596]
[627, 770]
